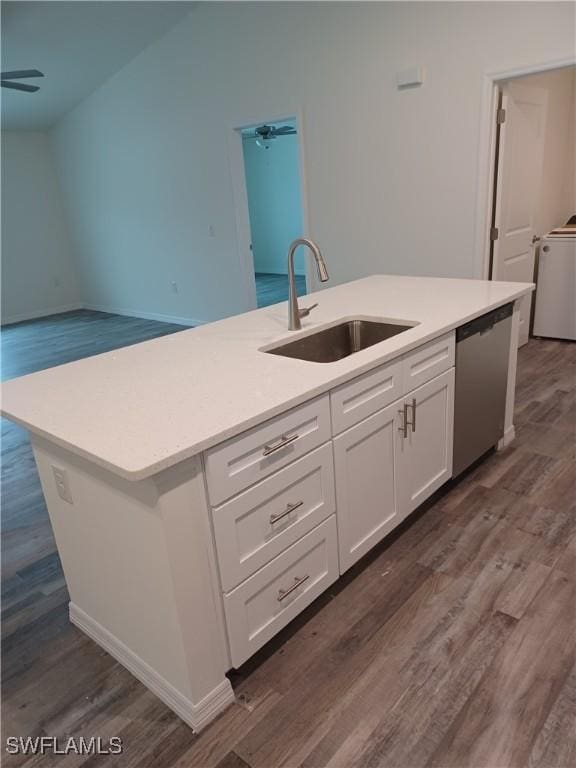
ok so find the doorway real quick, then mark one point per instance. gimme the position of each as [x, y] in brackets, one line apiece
[273, 207]
[533, 179]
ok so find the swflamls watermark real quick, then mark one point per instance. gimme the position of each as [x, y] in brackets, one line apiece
[52, 745]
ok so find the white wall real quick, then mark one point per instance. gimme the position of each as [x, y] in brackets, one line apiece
[392, 177]
[557, 199]
[38, 272]
[273, 188]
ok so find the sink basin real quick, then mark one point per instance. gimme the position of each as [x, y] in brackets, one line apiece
[339, 341]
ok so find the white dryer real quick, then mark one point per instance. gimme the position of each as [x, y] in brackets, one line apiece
[555, 311]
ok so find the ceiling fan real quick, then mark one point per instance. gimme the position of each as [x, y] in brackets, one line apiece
[264, 133]
[6, 79]
[267, 132]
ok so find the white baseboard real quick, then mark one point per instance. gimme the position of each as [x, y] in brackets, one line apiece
[196, 715]
[186, 321]
[163, 318]
[506, 439]
[42, 313]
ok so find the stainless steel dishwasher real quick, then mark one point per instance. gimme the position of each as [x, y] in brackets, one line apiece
[482, 352]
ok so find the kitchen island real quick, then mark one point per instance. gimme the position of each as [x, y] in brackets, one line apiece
[203, 492]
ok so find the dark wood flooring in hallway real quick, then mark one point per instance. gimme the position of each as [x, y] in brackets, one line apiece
[271, 289]
[451, 645]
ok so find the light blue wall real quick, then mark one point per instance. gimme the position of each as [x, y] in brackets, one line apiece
[273, 185]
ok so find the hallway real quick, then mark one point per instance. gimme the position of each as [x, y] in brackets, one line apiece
[271, 289]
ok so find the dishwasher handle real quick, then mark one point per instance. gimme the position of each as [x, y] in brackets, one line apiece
[484, 323]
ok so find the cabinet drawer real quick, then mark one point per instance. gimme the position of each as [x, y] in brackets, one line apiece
[253, 455]
[262, 522]
[269, 600]
[429, 360]
[360, 398]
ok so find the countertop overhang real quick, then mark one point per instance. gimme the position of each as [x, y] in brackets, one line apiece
[141, 409]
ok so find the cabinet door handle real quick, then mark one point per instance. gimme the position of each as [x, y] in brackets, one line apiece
[284, 440]
[279, 515]
[404, 420]
[283, 593]
[404, 415]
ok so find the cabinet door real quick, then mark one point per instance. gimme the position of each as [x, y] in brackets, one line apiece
[424, 456]
[365, 492]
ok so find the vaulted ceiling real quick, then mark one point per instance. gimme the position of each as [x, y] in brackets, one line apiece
[77, 45]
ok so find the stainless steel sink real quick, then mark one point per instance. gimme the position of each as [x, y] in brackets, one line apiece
[339, 341]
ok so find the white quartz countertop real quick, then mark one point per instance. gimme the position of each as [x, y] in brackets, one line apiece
[141, 409]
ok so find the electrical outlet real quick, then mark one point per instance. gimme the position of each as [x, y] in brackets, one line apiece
[56, 282]
[62, 484]
[174, 285]
[211, 231]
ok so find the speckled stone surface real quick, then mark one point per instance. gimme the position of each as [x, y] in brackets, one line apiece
[141, 409]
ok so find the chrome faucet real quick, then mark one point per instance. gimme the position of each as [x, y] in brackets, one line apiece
[294, 311]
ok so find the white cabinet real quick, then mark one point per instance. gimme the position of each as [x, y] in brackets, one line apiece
[275, 594]
[380, 443]
[257, 525]
[244, 460]
[424, 446]
[388, 464]
[365, 492]
[429, 360]
[366, 394]
[357, 399]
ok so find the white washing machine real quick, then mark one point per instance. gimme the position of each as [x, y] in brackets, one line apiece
[555, 311]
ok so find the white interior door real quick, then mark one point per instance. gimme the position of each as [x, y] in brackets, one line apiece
[519, 176]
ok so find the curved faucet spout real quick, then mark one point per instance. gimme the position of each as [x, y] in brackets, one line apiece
[294, 313]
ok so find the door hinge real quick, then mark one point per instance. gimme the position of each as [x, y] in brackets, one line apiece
[494, 233]
[500, 116]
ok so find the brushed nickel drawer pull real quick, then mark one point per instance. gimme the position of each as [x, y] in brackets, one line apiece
[279, 515]
[284, 440]
[283, 593]
[413, 414]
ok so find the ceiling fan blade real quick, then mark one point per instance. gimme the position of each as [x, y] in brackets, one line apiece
[21, 74]
[19, 86]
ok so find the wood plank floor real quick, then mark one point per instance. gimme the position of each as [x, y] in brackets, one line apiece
[451, 645]
[271, 289]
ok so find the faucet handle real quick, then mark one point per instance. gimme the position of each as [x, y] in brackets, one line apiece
[305, 311]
